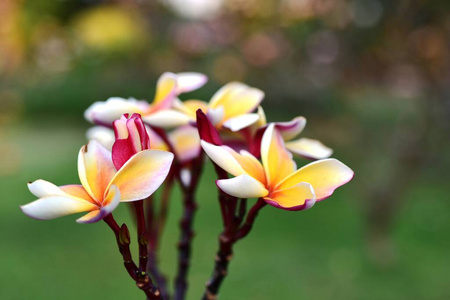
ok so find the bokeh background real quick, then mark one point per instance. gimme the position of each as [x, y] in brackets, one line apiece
[371, 76]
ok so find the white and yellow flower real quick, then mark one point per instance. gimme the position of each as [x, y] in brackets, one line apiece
[305, 147]
[102, 187]
[277, 179]
[231, 107]
[160, 112]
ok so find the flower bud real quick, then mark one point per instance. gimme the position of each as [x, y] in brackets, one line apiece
[131, 138]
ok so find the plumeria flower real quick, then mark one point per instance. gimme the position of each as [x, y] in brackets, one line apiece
[307, 148]
[159, 113]
[231, 106]
[277, 179]
[131, 173]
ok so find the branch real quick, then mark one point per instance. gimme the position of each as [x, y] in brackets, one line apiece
[142, 280]
[186, 226]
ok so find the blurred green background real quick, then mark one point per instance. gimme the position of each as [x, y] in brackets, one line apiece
[371, 76]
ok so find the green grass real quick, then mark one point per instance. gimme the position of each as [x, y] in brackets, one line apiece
[315, 254]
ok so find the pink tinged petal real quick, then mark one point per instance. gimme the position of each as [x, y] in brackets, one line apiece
[110, 203]
[216, 115]
[101, 134]
[243, 186]
[120, 128]
[324, 175]
[142, 174]
[310, 149]
[298, 197]
[277, 161]
[51, 207]
[206, 129]
[122, 151]
[291, 129]
[78, 191]
[166, 92]
[190, 81]
[223, 157]
[135, 135]
[241, 122]
[167, 119]
[186, 143]
[95, 169]
[104, 113]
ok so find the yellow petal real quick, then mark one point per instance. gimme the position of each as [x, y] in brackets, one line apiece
[324, 175]
[298, 197]
[243, 186]
[236, 99]
[95, 169]
[250, 164]
[165, 91]
[142, 174]
[111, 201]
[186, 143]
[277, 161]
[190, 107]
[308, 148]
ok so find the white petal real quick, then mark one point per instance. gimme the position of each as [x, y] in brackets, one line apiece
[243, 186]
[189, 81]
[105, 112]
[51, 207]
[42, 188]
[102, 134]
[309, 148]
[215, 115]
[240, 122]
[223, 158]
[166, 119]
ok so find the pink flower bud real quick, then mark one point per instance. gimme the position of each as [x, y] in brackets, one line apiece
[131, 138]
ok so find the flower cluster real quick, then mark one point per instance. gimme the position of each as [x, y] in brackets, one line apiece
[136, 146]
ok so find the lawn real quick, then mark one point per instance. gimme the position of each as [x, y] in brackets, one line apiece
[315, 254]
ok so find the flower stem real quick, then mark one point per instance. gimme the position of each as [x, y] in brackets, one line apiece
[143, 281]
[141, 234]
[232, 233]
[186, 226]
[153, 245]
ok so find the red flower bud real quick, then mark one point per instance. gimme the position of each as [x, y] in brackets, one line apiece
[131, 138]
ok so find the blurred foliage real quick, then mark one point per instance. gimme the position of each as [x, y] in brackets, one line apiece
[371, 77]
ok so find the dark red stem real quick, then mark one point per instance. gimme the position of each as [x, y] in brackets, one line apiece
[186, 226]
[232, 233]
[142, 280]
